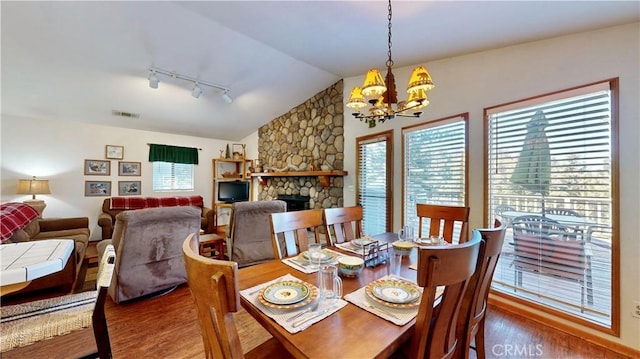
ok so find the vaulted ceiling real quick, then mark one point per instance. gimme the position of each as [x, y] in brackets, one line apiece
[80, 61]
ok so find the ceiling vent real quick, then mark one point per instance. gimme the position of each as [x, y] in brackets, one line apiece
[125, 114]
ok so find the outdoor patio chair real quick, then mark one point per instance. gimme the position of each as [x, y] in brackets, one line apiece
[544, 246]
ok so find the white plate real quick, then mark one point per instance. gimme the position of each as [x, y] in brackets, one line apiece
[325, 256]
[394, 292]
[362, 242]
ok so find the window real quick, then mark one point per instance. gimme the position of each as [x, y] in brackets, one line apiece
[375, 181]
[435, 166]
[552, 159]
[172, 176]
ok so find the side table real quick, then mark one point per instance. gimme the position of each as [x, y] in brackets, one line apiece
[213, 246]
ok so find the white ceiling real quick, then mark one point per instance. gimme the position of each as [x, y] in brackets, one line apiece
[80, 61]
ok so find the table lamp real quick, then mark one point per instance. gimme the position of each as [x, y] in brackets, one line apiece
[33, 187]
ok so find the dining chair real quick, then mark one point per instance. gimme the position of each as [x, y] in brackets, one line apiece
[342, 224]
[545, 247]
[443, 219]
[473, 310]
[214, 287]
[290, 231]
[452, 266]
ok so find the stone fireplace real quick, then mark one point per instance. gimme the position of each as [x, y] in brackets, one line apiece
[307, 138]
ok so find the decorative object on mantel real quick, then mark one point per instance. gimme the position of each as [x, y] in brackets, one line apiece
[382, 95]
[323, 176]
[33, 187]
[227, 153]
[241, 152]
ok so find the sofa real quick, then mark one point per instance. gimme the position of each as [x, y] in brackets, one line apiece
[148, 245]
[20, 223]
[113, 206]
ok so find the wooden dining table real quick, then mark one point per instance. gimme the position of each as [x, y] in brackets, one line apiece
[351, 332]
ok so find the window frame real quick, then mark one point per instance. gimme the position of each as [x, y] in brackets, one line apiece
[386, 136]
[613, 84]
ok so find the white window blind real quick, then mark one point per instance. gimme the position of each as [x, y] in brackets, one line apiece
[172, 177]
[373, 183]
[550, 179]
[434, 165]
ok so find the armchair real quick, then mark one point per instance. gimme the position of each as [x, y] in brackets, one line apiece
[148, 244]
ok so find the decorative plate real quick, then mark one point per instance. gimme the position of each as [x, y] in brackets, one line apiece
[394, 293]
[325, 256]
[288, 294]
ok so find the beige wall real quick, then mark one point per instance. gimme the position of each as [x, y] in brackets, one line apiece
[472, 82]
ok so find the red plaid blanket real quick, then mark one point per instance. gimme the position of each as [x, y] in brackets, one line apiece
[130, 203]
[13, 217]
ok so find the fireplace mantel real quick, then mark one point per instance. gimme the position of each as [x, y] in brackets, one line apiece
[323, 176]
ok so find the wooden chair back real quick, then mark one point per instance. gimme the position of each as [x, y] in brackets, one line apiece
[343, 223]
[452, 266]
[213, 284]
[292, 228]
[474, 304]
[443, 218]
[98, 318]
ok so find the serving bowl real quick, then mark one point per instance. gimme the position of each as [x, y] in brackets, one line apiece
[350, 266]
[403, 247]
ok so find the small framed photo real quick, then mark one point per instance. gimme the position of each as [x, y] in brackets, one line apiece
[129, 188]
[97, 188]
[97, 168]
[114, 152]
[129, 168]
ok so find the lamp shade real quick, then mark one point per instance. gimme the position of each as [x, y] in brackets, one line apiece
[420, 80]
[33, 187]
[373, 84]
[356, 100]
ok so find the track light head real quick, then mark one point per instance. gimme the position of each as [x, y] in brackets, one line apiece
[226, 97]
[197, 91]
[153, 80]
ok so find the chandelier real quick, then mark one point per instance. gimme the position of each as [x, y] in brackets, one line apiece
[382, 96]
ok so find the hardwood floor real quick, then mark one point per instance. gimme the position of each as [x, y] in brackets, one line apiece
[167, 327]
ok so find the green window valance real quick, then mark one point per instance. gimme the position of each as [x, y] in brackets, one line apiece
[173, 154]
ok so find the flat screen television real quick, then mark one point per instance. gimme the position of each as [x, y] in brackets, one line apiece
[236, 191]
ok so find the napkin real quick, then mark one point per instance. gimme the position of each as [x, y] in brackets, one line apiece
[281, 315]
[404, 315]
[307, 268]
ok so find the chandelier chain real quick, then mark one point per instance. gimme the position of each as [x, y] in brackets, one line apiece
[389, 61]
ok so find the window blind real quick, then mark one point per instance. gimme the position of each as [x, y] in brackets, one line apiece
[172, 176]
[374, 183]
[557, 253]
[435, 165]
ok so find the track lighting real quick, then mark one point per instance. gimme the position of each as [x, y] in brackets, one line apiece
[197, 89]
[227, 98]
[153, 80]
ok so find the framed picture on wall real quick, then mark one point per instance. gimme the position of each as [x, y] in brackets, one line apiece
[129, 168]
[129, 188]
[114, 152]
[97, 168]
[97, 188]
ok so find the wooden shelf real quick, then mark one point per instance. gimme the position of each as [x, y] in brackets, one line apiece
[323, 176]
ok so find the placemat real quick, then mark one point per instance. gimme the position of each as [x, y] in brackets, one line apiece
[326, 308]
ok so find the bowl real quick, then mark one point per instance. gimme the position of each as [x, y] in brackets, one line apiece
[350, 266]
[403, 247]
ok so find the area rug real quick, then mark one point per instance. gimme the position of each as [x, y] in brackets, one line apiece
[24, 324]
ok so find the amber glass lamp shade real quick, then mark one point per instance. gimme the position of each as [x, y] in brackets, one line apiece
[420, 80]
[417, 99]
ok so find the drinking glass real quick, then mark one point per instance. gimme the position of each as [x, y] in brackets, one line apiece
[406, 234]
[330, 283]
[315, 253]
[395, 263]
